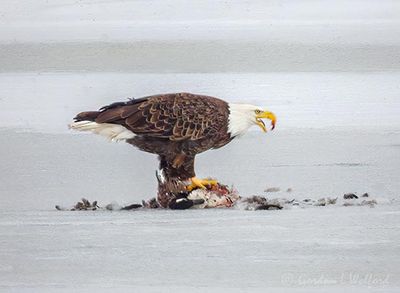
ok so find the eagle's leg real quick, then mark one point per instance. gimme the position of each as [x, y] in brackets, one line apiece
[183, 165]
[200, 183]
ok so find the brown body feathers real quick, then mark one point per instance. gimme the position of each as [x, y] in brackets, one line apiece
[174, 126]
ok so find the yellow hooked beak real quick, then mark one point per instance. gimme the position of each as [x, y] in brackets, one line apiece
[269, 115]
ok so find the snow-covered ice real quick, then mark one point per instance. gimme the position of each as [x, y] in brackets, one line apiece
[329, 70]
[331, 248]
[306, 250]
[41, 170]
[336, 133]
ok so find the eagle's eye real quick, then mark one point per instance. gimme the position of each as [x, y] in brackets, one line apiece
[257, 111]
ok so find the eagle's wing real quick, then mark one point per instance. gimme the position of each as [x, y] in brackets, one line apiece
[174, 116]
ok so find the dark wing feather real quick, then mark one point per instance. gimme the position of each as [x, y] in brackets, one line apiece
[176, 117]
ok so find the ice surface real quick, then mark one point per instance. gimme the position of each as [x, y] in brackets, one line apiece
[41, 170]
[200, 36]
[329, 70]
[336, 133]
[201, 250]
[333, 248]
[314, 22]
[48, 101]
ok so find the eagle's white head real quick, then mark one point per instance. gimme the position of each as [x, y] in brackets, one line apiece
[243, 116]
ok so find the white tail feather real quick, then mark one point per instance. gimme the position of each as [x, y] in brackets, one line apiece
[113, 132]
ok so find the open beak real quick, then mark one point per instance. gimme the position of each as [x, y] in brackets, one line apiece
[269, 115]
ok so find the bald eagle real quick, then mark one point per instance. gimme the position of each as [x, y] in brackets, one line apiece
[176, 127]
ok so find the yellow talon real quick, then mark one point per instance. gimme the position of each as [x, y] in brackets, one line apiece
[200, 183]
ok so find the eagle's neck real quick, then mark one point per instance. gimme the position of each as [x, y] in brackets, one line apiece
[240, 119]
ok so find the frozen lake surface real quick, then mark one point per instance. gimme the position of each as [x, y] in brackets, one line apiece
[306, 250]
[329, 71]
[336, 133]
[48, 101]
[40, 170]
